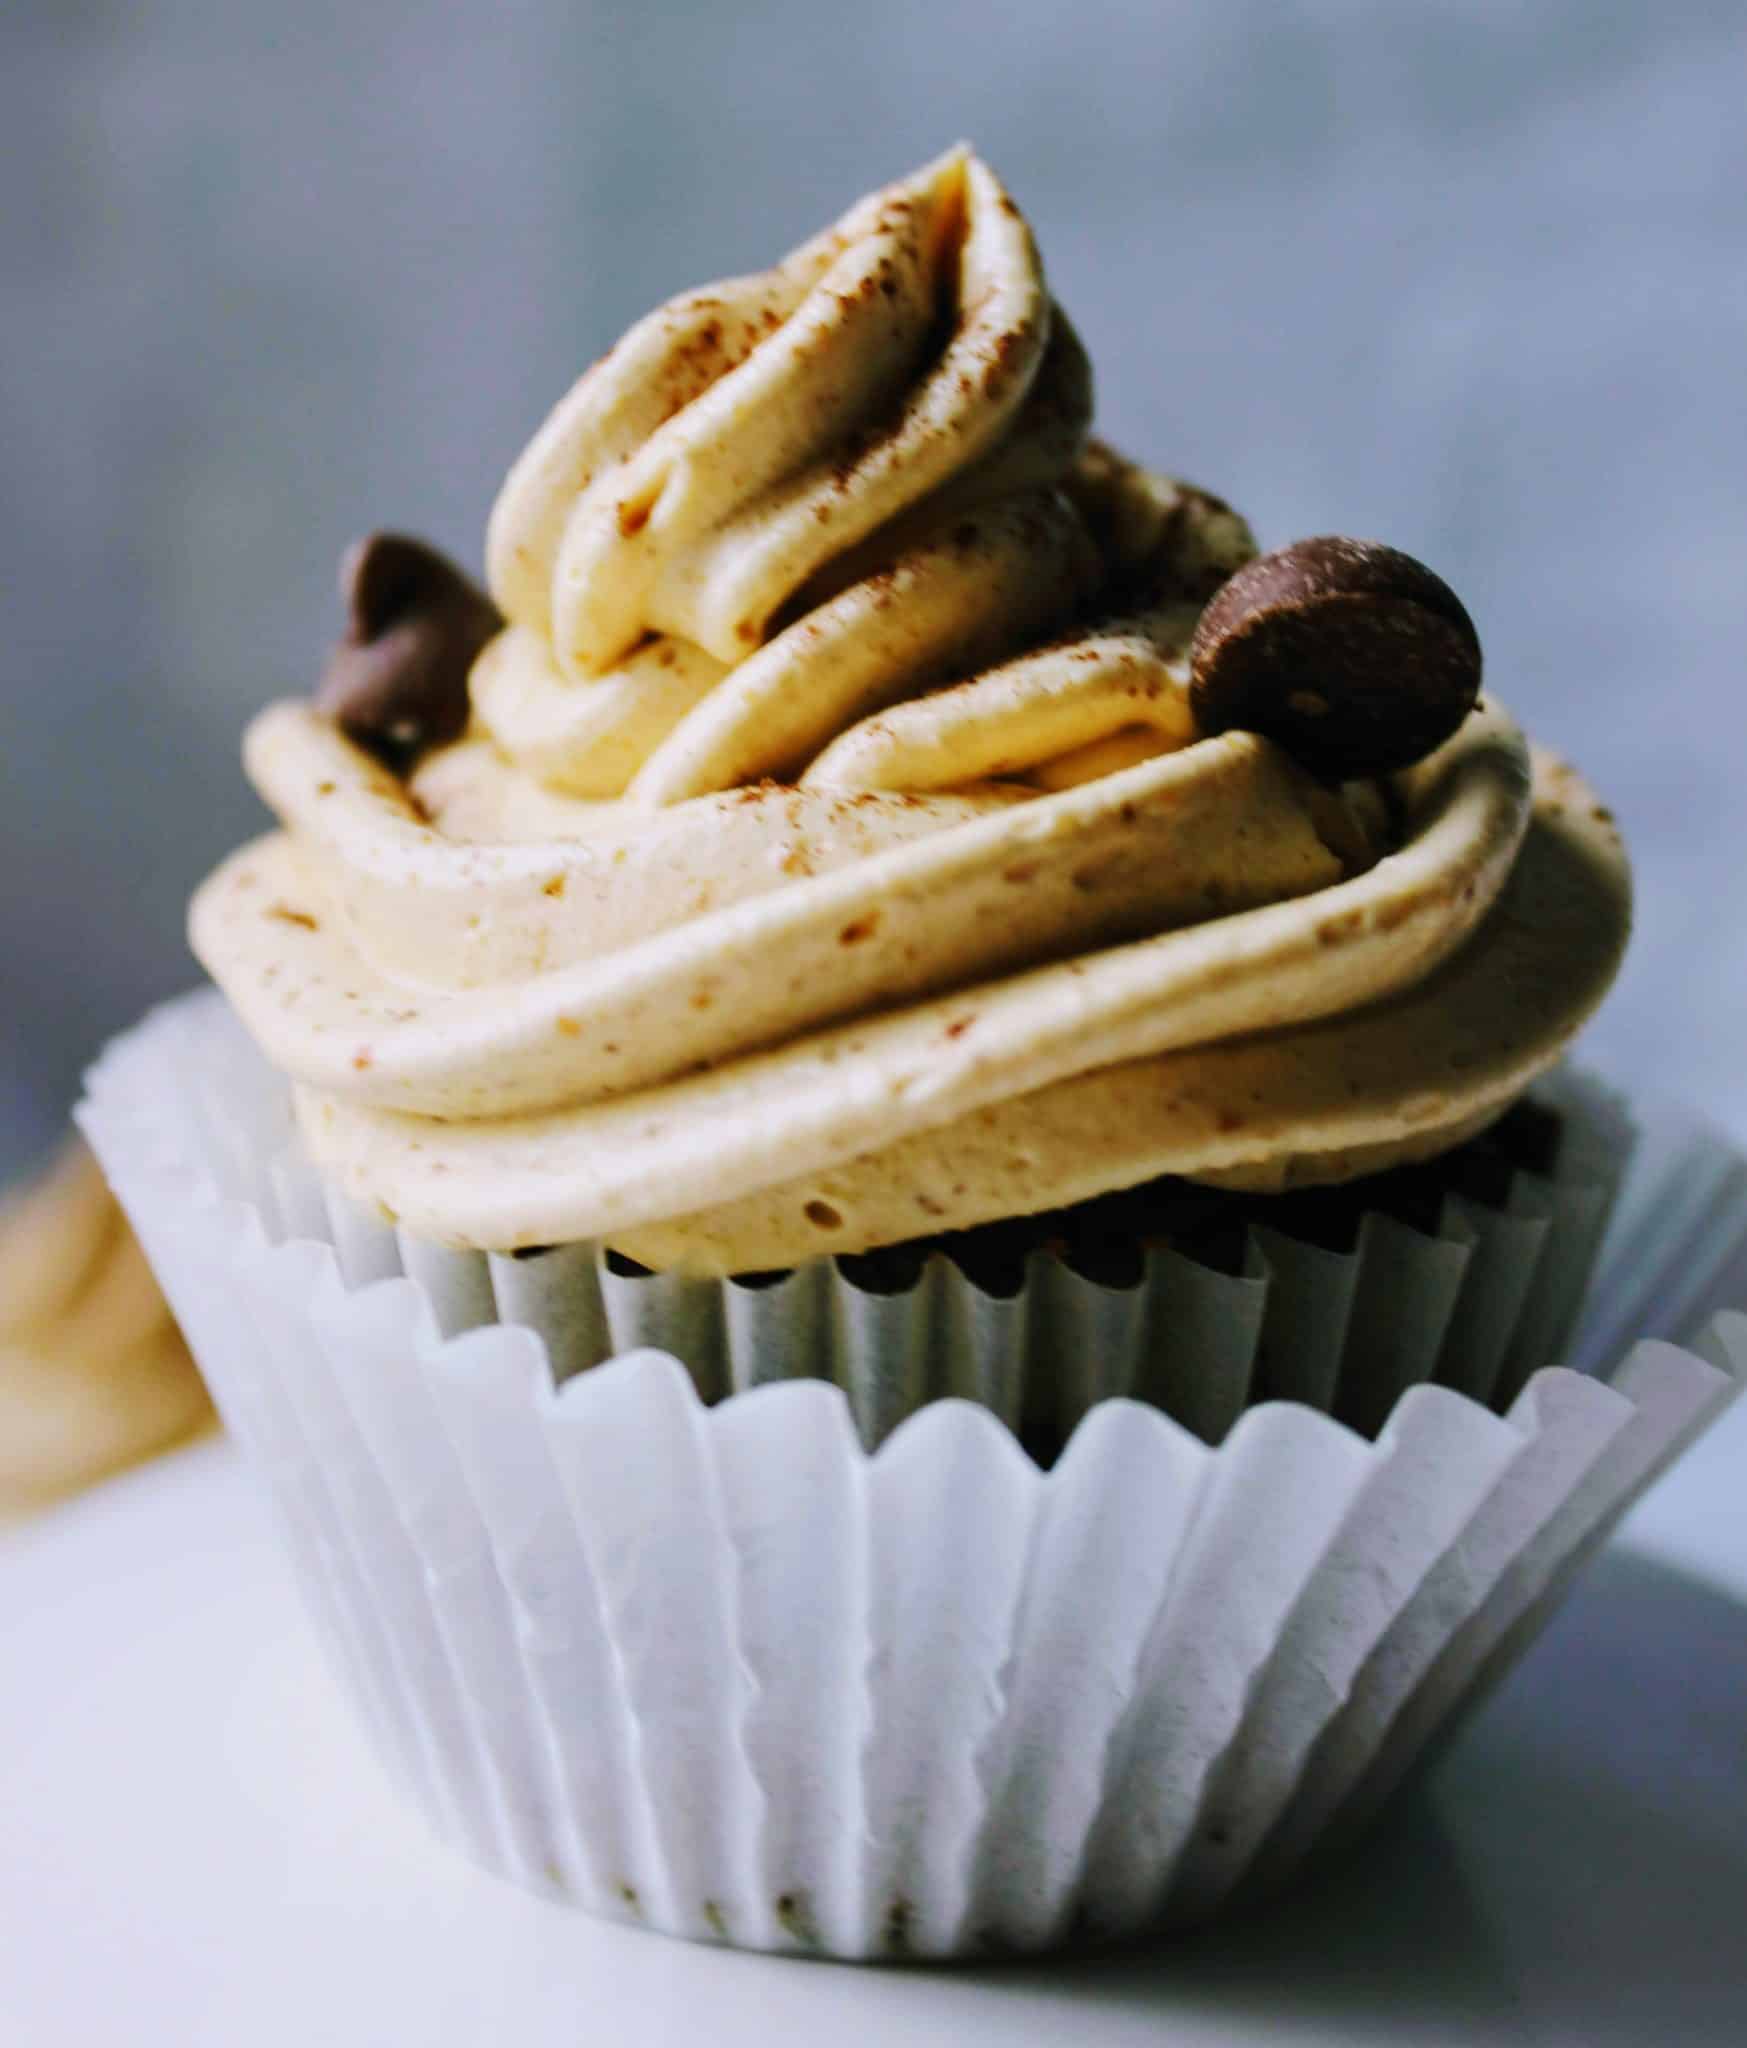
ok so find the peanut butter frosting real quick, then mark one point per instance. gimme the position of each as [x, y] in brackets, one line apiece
[834, 852]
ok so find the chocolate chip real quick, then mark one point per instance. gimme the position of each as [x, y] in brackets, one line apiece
[1353, 656]
[397, 682]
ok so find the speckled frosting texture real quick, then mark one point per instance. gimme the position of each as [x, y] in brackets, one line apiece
[833, 855]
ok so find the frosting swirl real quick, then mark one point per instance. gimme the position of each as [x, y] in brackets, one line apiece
[834, 856]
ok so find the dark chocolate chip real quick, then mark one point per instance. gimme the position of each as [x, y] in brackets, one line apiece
[1353, 656]
[397, 682]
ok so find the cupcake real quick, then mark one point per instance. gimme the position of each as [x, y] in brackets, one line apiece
[94, 1375]
[880, 1168]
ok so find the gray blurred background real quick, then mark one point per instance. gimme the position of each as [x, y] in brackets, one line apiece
[1471, 277]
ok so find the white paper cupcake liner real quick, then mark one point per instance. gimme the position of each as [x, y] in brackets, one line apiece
[1477, 1305]
[717, 1669]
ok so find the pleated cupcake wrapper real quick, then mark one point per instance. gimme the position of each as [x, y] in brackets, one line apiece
[1478, 1306]
[720, 1670]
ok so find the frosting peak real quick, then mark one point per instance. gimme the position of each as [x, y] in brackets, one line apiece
[785, 501]
[743, 436]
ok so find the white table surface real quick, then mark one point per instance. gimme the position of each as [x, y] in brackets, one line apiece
[195, 1848]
